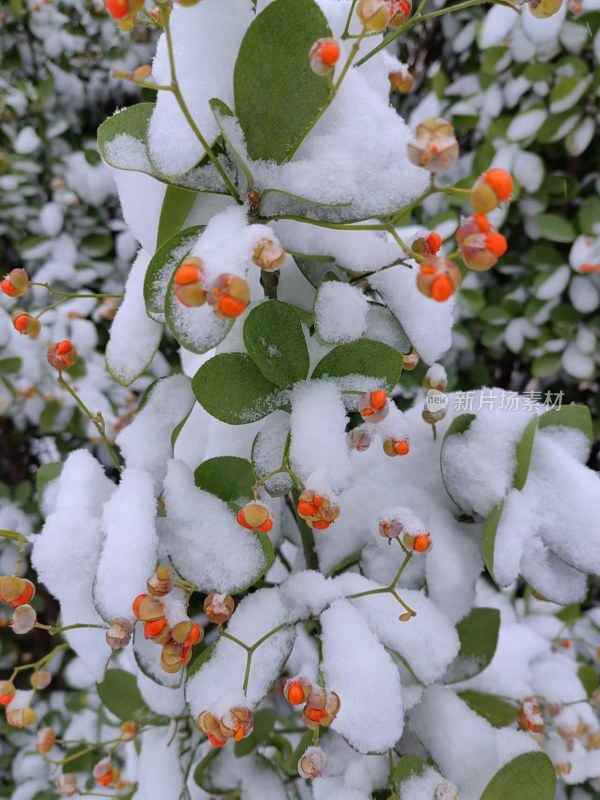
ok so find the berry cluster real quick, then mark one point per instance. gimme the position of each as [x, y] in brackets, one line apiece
[317, 510]
[237, 723]
[375, 408]
[321, 706]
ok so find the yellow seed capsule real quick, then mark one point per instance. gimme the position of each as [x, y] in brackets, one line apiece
[374, 14]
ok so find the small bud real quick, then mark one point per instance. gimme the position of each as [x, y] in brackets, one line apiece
[62, 355]
[374, 14]
[104, 772]
[317, 510]
[410, 360]
[374, 407]
[480, 244]
[323, 56]
[129, 730]
[21, 717]
[147, 607]
[428, 245]
[16, 283]
[25, 324]
[219, 608]
[542, 9]
[407, 616]
[162, 582]
[494, 187]
[433, 417]
[436, 378]
[396, 447]
[66, 785]
[44, 740]
[16, 591]
[390, 528]
[123, 9]
[401, 10]
[237, 723]
[297, 690]
[438, 278]
[229, 296]
[23, 619]
[188, 282]
[401, 80]
[359, 438]
[312, 764]
[435, 147]
[530, 716]
[255, 517]
[41, 679]
[268, 254]
[7, 692]
[119, 633]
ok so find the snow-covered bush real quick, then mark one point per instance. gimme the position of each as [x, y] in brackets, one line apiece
[367, 599]
[523, 94]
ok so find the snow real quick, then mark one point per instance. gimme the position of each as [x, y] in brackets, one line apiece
[160, 773]
[128, 555]
[340, 312]
[146, 442]
[526, 124]
[134, 337]
[318, 451]
[398, 289]
[204, 539]
[371, 716]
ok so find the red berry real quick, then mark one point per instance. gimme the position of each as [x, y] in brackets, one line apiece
[136, 604]
[501, 182]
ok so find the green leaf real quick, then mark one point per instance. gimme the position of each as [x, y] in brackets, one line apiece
[488, 539]
[221, 109]
[162, 266]
[97, 245]
[176, 206]
[363, 357]
[567, 91]
[264, 722]
[120, 695]
[571, 416]
[84, 763]
[10, 365]
[45, 475]
[227, 477]
[555, 228]
[132, 123]
[530, 776]
[232, 388]
[523, 454]
[494, 709]
[277, 95]
[202, 773]
[409, 767]
[275, 342]
[546, 366]
[588, 677]
[588, 216]
[478, 634]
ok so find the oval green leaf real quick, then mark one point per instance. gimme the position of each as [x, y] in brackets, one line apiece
[363, 357]
[120, 694]
[277, 95]
[530, 776]
[523, 454]
[232, 388]
[478, 634]
[228, 477]
[571, 416]
[488, 540]
[177, 204]
[162, 265]
[497, 711]
[275, 342]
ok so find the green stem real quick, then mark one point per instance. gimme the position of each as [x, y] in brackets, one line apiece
[401, 570]
[40, 663]
[96, 419]
[226, 635]
[165, 18]
[74, 295]
[53, 630]
[13, 536]
[336, 226]
[403, 212]
[401, 243]
[411, 22]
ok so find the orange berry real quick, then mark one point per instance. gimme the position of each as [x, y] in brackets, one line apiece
[62, 355]
[64, 347]
[136, 604]
[421, 542]
[321, 524]
[216, 742]
[441, 288]
[24, 597]
[7, 692]
[194, 636]
[315, 714]
[434, 242]
[105, 780]
[8, 288]
[566, 644]
[402, 447]
[501, 182]
[589, 269]
[496, 243]
[306, 509]
[482, 221]
[330, 52]
[20, 322]
[242, 520]
[154, 627]
[378, 399]
[266, 526]
[187, 273]
[317, 501]
[295, 694]
[118, 9]
[230, 307]
[427, 269]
